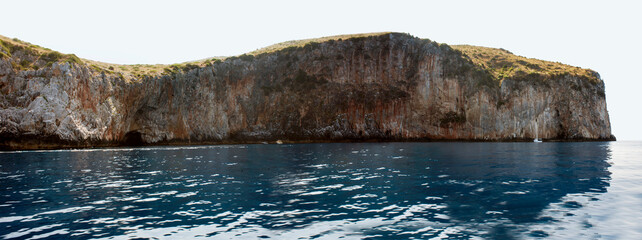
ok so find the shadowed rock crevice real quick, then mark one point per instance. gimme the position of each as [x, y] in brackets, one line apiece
[133, 138]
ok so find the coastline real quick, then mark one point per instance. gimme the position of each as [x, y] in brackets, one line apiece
[38, 143]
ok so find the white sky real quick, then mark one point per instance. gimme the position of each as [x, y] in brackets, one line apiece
[605, 36]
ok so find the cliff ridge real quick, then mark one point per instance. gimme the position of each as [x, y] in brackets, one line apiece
[367, 87]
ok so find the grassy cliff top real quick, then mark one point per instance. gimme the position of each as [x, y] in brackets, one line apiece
[31, 56]
[8, 47]
[129, 71]
[303, 42]
[499, 63]
[502, 64]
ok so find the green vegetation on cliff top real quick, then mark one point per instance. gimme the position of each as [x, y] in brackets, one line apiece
[33, 56]
[499, 63]
[502, 64]
[303, 42]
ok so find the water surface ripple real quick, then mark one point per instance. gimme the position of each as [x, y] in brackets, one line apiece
[325, 191]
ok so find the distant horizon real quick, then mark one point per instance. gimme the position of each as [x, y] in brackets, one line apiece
[589, 34]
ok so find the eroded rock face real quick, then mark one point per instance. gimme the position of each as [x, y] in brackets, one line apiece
[387, 87]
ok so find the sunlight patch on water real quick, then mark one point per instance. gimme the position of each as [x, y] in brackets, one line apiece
[352, 188]
[243, 227]
[187, 194]
[313, 193]
[59, 211]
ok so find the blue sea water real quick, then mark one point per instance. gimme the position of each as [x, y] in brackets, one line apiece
[588, 190]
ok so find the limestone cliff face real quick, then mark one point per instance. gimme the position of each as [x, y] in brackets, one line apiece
[381, 87]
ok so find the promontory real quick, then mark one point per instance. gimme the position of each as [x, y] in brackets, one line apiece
[362, 87]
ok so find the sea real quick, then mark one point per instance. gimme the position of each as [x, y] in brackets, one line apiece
[394, 190]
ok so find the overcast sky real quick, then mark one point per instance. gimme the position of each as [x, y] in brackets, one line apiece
[605, 36]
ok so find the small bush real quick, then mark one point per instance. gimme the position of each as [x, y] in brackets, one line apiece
[15, 48]
[51, 57]
[189, 67]
[71, 58]
[96, 68]
[247, 57]
[311, 46]
[54, 56]
[5, 52]
[24, 64]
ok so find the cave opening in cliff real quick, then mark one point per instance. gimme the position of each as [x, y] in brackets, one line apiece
[133, 138]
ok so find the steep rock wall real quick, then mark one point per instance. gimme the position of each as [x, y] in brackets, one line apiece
[386, 87]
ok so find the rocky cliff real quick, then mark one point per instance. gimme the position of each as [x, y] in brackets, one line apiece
[385, 86]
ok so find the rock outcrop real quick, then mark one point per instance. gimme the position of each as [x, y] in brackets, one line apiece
[386, 86]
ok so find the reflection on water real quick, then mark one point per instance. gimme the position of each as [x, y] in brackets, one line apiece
[356, 190]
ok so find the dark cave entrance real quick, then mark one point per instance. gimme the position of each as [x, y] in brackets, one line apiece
[133, 138]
